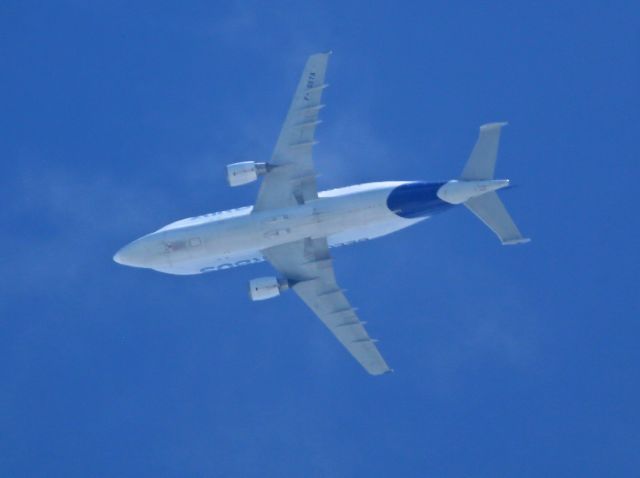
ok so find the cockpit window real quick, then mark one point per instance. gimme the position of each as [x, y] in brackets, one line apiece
[176, 246]
[179, 245]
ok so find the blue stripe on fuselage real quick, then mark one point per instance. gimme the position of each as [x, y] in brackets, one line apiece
[417, 199]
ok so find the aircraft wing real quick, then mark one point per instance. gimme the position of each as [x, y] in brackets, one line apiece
[308, 267]
[291, 178]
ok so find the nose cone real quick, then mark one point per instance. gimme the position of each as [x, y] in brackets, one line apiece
[121, 257]
[133, 255]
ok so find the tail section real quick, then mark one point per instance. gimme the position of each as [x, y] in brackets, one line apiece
[487, 206]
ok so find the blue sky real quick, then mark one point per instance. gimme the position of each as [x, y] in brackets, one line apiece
[118, 117]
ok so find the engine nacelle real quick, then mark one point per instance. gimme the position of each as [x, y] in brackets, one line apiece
[245, 172]
[265, 288]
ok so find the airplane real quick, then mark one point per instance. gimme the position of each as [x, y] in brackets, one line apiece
[293, 226]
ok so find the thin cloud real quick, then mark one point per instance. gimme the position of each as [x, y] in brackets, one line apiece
[76, 218]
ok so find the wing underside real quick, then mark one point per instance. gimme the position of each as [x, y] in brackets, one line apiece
[291, 178]
[307, 265]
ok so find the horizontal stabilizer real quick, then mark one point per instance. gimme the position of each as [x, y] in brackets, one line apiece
[482, 162]
[490, 210]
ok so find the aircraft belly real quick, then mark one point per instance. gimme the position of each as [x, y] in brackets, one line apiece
[367, 232]
[238, 241]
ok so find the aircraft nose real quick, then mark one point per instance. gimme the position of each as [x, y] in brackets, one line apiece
[132, 255]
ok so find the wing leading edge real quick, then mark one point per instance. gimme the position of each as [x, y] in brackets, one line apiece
[307, 265]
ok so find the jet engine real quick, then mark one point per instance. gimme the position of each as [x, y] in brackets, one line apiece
[266, 288]
[245, 172]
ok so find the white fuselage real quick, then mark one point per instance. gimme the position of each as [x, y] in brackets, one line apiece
[344, 216]
[234, 238]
